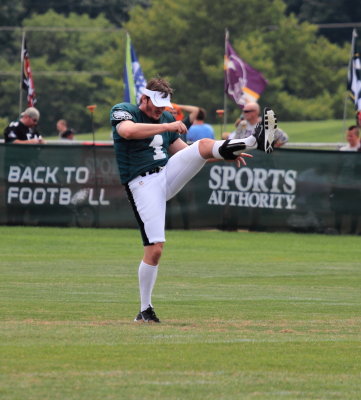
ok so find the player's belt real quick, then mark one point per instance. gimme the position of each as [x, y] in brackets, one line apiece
[152, 171]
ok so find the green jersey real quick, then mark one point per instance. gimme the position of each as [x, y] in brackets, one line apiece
[135, 156]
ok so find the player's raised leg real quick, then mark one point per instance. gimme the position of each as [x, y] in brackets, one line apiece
[262, 139]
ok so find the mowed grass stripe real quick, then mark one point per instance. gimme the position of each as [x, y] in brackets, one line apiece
[244, 315]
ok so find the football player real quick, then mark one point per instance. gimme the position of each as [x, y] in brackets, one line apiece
[145, 136]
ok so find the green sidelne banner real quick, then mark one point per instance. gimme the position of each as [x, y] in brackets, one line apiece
[77, 185]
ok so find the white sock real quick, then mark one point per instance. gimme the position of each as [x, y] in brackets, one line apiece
[147, 275]
[215, 149]
[250, 142]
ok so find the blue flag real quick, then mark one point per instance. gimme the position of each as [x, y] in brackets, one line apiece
[354, 73]
[134, 81]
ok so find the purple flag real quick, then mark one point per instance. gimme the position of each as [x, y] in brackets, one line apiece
[242, 82]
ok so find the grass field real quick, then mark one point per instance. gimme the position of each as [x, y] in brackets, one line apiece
[331, 131]
[244, 316]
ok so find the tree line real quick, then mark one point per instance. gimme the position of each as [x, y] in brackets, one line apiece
[77, 58]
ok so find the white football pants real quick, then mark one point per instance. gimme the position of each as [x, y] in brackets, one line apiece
[149, 194]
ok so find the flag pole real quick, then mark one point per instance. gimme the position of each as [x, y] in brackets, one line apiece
[354, 35]
[226, 36]
[91, 109]
[130, 84]
[21, 71]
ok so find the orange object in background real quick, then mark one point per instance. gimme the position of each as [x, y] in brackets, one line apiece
[176, 112]
[91, 108]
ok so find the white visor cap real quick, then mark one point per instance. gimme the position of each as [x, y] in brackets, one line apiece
[157, 98]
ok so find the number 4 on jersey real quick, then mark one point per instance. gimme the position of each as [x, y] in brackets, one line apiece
[156, 143]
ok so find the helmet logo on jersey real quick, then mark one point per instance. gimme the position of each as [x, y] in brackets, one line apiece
[121, 115]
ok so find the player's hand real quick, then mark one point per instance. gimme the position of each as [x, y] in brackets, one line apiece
[241, 159]
[177, 126]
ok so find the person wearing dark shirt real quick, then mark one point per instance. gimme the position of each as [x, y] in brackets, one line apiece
[25, 129]
[64, 132]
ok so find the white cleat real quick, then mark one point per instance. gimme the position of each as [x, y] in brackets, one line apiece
[265, 131]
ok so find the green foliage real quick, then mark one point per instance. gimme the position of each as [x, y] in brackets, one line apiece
[304, 71]
[181, 41]
[11, 12]
[71, 69]
[326, 12]
[298, 109]
[311, 70]
[186, 42]
[3, 124]
[116, 11]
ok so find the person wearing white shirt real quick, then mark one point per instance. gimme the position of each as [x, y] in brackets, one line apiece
[245, 126]
[353, 139]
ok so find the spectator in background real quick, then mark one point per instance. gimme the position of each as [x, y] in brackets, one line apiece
[353, 139]
[199, 129]
[246, 124]
[177, 112]
[25, 129]
[64, 132]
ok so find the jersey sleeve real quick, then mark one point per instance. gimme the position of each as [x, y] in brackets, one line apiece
[173, 137]
[121, 112]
